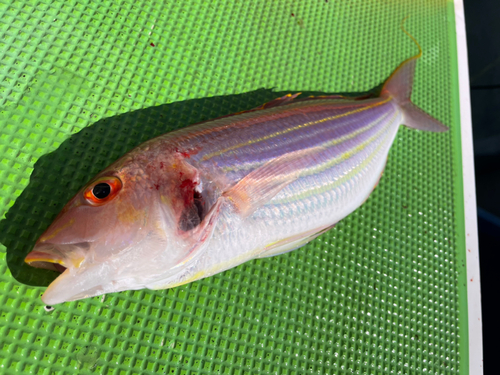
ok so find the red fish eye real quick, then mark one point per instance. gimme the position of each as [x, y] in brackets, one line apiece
[102, 190]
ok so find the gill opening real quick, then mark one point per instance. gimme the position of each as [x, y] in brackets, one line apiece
[193, 215]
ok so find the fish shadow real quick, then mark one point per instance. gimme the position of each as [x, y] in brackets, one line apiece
[57, 176]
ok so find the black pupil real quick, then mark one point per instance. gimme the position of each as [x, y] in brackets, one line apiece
[101, 190]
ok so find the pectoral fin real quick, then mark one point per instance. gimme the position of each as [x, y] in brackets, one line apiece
[263, 183]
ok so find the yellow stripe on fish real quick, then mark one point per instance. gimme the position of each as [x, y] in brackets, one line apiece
[301, 126]
[327, 144]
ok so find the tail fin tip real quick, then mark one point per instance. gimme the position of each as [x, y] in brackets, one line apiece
[399, 86]
[416, 118]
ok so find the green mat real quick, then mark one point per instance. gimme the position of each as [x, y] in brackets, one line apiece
[83, 82]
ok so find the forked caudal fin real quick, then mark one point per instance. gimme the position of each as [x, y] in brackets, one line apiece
[399, 86]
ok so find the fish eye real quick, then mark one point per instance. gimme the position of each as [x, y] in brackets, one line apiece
[102, 190]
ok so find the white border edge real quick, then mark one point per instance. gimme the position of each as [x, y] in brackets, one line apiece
[471, 238]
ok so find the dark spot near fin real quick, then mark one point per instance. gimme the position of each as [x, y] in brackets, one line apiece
[193, 214]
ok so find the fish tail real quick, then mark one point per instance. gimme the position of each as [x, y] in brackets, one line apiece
[399, 86]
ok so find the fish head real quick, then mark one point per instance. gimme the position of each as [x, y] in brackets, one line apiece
[117, 233]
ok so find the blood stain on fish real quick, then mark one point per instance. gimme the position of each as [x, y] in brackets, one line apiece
[183, 153]
[187, 187]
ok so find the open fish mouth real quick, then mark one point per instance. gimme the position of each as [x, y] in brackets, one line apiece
[75, 280]
[56, 258]
[39, 259]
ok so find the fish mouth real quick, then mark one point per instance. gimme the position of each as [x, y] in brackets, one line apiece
[56, 258]
[70, 261]
[40, 259]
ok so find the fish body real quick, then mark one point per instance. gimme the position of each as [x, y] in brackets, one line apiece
[206, 198]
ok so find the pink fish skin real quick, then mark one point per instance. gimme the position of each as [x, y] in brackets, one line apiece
[206, 198]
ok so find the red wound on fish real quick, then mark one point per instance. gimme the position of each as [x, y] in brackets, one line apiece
[187, 188]
[187, 153]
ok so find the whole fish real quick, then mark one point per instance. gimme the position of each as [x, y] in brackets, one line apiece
[206, 198]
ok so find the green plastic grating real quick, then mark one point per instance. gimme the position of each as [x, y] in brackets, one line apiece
[83, 82]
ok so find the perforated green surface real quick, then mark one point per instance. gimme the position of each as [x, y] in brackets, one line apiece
[83, 82]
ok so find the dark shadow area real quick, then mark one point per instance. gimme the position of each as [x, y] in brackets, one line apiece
[489, 245]
[483, 43]
[59, 175]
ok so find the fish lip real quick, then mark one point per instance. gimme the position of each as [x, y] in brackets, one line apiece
[49, 259]
[52, 257]
[72, 286]
[53, 295]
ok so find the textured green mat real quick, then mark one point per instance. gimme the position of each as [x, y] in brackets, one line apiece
[83, 82]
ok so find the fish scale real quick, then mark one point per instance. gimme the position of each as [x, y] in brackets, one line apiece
[300, 139]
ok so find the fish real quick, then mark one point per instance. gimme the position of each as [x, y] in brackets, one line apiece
[208, 197]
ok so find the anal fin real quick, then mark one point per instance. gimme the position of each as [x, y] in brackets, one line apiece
[292, 243]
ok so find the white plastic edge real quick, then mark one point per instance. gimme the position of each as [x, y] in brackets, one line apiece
[471, 239]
